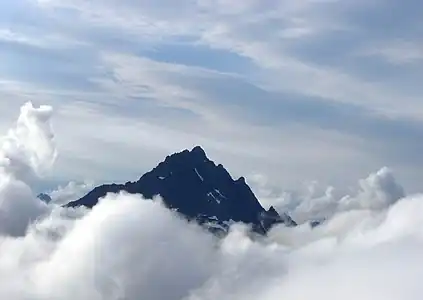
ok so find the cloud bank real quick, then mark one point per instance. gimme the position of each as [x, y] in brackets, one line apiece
[26, 151]
[129, 248]
[70, 192]
[378, 191]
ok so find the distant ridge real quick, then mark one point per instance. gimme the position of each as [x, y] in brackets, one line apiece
[197, 188]
[44, 197]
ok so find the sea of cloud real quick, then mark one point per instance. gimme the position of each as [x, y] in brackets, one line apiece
[378, 191]
[369, 247]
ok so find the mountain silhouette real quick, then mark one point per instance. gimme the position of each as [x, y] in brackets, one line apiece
[194, 186]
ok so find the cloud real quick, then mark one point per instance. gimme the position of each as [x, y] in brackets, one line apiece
[128, 247]
[29, 146]
[71, 192]
[377, 192]
[397, 52]
[278, 70]
[27, 151]
[128, 255]
[272, 110]
[280, 59]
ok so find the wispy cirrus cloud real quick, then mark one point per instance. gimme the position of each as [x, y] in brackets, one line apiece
[239, 77]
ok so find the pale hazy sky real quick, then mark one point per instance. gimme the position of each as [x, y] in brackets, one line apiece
[295, 90]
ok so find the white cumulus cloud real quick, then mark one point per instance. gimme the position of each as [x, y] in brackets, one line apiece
[26, 151]
[70, 192]
[127, 247]
[376, 192]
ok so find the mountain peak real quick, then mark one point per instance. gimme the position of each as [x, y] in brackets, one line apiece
[44, 197]
[272, 211]
[186, 157]
[195, 186]
[198, 151]
[241, 180]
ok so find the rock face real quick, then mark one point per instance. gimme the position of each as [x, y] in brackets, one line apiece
[45, 198]
[196, 187]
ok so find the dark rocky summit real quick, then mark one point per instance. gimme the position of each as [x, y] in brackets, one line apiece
[196, 187]
[45, 198]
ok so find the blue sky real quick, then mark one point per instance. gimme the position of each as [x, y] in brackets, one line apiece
[295, 90]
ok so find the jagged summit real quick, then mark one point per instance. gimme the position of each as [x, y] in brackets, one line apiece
[199, 152]
[193, 185]
[44, 197]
